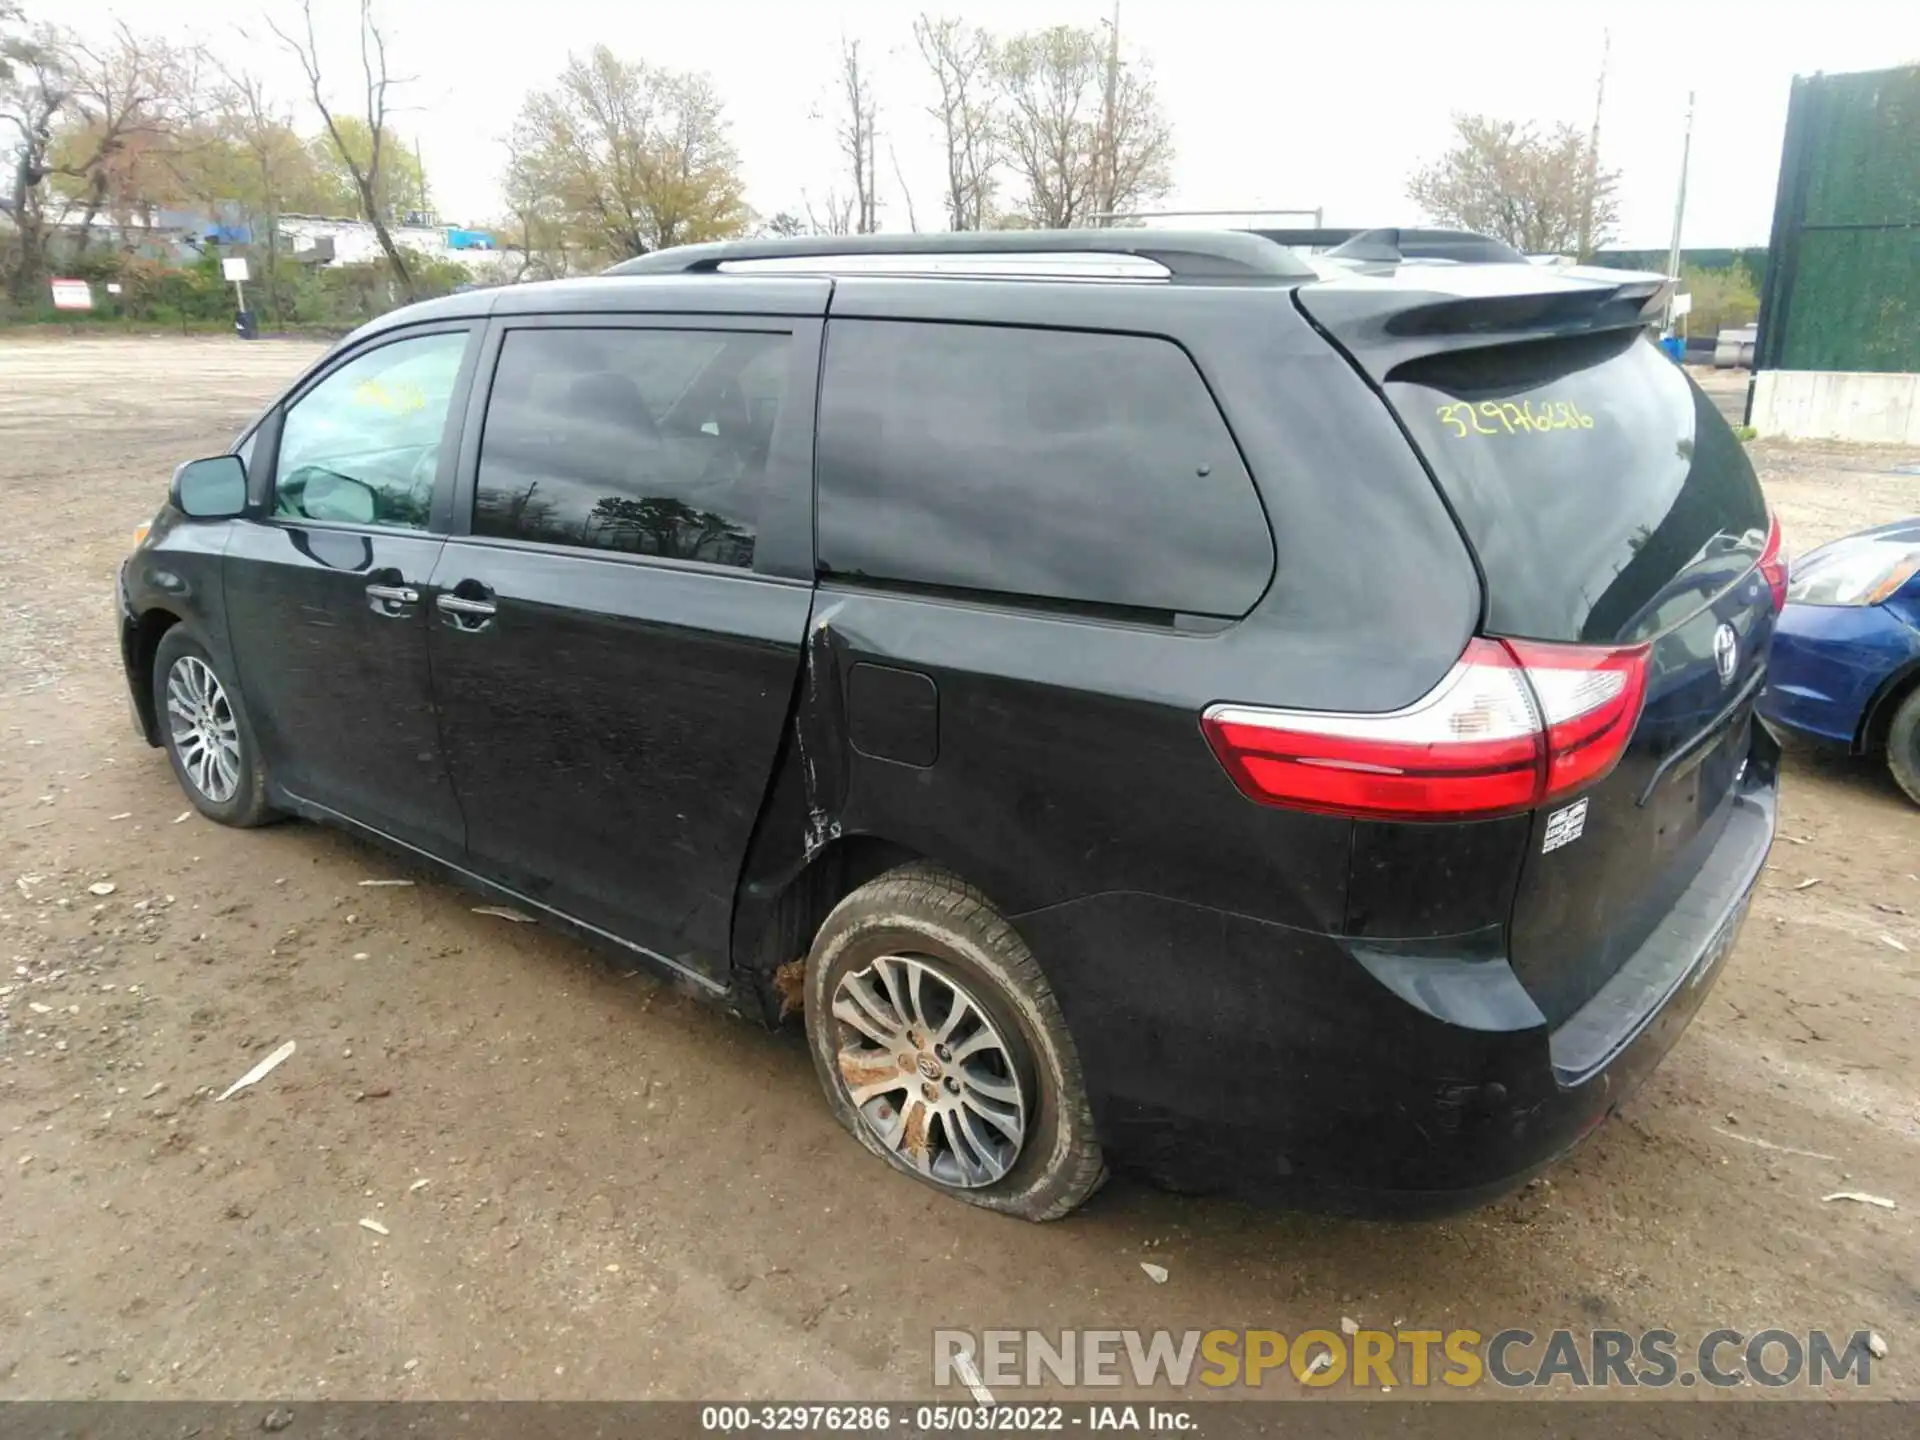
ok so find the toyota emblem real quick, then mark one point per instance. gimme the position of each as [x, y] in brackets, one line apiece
[1726, 653]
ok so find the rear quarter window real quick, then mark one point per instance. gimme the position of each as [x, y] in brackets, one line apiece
[1604, 494]
[1062, 466]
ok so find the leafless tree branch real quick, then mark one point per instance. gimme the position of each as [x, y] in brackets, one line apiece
[366, 178]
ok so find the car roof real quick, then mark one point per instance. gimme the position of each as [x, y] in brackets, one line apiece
[604, 294]
[795, 275]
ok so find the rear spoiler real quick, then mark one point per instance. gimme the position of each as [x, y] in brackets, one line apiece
[1396, 246]
[1385, 322]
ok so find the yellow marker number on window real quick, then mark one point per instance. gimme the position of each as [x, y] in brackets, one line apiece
[1509, 417]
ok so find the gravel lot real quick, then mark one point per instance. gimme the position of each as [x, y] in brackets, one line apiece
[595, 1188]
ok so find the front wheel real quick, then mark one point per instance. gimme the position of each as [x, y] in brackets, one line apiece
[207, 736]
[941, 1048]
[1903, 746]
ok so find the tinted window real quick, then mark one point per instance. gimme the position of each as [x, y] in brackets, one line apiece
[1605, 495]
[652, 442]
[364, 444]
[1044, 463]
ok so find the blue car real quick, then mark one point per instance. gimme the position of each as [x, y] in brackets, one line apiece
[1846, 653]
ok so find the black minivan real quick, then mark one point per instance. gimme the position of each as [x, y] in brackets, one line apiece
[1144, 698]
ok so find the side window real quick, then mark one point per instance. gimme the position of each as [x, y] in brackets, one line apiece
[649, 442]
[245, 452]
[1056, 465]
[364, 444]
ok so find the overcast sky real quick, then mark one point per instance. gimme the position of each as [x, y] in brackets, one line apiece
[1273, 104]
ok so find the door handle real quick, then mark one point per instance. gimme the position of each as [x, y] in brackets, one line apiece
[463, 613]
[387, 599]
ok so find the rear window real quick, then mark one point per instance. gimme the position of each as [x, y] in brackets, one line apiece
[1605, 495]
[1048, 465]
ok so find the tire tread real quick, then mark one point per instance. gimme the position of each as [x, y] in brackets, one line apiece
[256, 811]
[1903, 746]
[946, 898]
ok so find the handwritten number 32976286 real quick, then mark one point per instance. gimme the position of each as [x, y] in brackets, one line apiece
[1506, 417]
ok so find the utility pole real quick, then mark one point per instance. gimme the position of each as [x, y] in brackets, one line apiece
[1109, 159]
[1680, 205]
[1586, 246]
[420, 171]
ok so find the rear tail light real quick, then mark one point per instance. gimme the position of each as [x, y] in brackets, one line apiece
[1590, 700]
[1513, 725]
[1773, 564]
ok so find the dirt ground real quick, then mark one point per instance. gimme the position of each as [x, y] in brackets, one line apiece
[595, 1188]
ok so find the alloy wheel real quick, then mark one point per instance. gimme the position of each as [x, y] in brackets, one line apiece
[930, 1074]
[205, 734]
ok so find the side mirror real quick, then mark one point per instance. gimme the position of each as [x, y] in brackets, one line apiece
[210, 489]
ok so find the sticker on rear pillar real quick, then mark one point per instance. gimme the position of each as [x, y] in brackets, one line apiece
[1564, 826]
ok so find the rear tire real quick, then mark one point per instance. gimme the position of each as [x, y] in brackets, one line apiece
[203, 724]
[968, 1080]
[1903, 746]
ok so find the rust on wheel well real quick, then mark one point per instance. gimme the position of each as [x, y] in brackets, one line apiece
[775, 965]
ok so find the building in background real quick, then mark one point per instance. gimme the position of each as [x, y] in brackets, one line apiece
[1838, 352]
[330, 240]
[181, 236]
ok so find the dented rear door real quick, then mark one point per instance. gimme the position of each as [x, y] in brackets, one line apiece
[617, 622]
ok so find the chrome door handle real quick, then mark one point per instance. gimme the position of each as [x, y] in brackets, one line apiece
[464, 614]
[391, 601]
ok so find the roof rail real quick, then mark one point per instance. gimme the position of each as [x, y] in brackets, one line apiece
[1181, 255]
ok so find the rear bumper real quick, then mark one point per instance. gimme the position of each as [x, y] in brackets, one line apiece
[1321, 1071]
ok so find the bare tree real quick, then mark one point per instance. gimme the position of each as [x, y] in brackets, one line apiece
[962, 61]
[1076, 165]
[365, 173]
[834, 217]
[133, 100]
[34, 88]
[1541, 193]
[855, 132]
[906, 195]
[1137, 145]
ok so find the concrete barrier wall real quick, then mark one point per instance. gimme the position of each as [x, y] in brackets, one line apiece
[1837, 405]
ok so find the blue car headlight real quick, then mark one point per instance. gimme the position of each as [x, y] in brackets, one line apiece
[1863, 571]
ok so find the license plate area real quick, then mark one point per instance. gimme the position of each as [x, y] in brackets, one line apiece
[1687, 796]
[1721, 945]
[1717, 751]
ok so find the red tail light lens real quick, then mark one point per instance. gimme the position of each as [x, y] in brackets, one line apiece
[1590, 701]
[1773, 564]
[1512, 725]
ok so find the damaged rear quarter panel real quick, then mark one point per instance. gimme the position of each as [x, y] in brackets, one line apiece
[1070, 763]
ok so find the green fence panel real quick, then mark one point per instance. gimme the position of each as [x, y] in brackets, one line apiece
[1843, 283]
